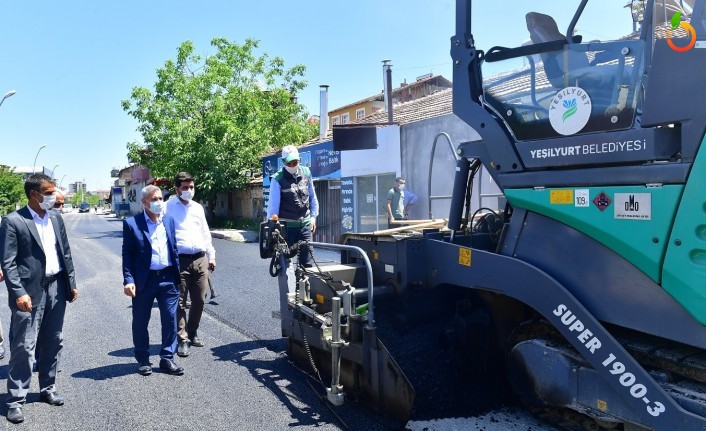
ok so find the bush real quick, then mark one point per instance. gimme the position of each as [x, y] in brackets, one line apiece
[239, 223]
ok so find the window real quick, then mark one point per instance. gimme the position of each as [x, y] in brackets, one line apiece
[336, 120]
[345, 118]
[359, 113]
[371, 202]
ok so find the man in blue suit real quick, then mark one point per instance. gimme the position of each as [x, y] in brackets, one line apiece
[151, 271]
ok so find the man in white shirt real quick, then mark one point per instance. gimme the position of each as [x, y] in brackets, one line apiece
[196, 257]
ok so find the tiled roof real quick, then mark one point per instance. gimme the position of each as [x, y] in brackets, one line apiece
[434, 105]
[517, 82]
[660, 32]
[442, 81]
[316, 140]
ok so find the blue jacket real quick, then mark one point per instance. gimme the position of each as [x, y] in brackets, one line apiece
[137, 249]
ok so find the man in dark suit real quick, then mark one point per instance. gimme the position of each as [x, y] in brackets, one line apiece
[151, 271]
[2, 338]
[39, 275]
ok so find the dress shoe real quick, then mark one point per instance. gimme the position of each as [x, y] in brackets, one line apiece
[52, 398]
[15, 415]
[196, 342]
[170, 367]
[145, 369]
[2, 350]
[183, 349]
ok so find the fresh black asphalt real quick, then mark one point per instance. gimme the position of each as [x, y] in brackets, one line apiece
[241, 379]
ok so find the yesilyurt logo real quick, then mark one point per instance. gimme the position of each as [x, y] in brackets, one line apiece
[570, 110]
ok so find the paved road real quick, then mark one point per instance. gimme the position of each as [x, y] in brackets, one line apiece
[240, 380]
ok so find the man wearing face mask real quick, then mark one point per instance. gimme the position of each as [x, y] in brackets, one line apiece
[39, 275]
[395, 202]
[151, 271]
[196, 258]
[293, 200]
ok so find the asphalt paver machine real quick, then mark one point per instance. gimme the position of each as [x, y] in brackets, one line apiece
[588, 291]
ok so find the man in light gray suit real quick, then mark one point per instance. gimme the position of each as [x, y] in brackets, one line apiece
[39, 274]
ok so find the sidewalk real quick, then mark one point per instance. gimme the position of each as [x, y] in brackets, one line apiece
[234, 235]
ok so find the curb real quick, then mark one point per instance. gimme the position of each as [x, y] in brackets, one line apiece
[235, 235]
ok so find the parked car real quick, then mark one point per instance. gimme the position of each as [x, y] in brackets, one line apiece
[84, 207]
[67, 208]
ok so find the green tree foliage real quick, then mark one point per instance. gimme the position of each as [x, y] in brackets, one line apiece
[92, 199]
[12, 190]
[215, 117]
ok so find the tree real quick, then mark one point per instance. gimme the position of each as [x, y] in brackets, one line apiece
[12, 190]
[215, 117]
[78, 198]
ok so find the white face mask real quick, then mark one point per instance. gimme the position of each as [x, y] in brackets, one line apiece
[292, 170]
[401, 186]
[156, 207]
[47, 202]
[187, 195]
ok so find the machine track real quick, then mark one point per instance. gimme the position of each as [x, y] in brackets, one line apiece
[680, 369]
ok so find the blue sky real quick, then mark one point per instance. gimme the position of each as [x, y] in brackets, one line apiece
[72, 62]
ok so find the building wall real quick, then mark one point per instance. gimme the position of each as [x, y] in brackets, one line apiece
[416, 146]
[246, 203]
[384, 159]
[370, 106]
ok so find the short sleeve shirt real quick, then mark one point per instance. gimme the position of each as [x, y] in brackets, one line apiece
[396, 198]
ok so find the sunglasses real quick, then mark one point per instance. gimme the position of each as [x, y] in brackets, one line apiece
[58, 205]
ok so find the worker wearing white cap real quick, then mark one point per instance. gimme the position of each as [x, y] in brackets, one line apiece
[293, 200]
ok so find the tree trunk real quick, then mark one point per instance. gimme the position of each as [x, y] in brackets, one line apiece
[211, 210]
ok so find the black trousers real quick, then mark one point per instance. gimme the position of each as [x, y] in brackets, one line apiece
[296, 234]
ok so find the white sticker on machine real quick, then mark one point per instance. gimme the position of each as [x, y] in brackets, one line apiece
[581, 198]
[632, 206]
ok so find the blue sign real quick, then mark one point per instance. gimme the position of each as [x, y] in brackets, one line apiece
[347, 207]
[323, 161]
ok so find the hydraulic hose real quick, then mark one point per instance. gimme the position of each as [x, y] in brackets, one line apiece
[459, 193]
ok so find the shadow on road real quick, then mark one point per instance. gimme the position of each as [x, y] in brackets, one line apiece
[278, 377]
[130, 352]
[117, 370]
[107, 372]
